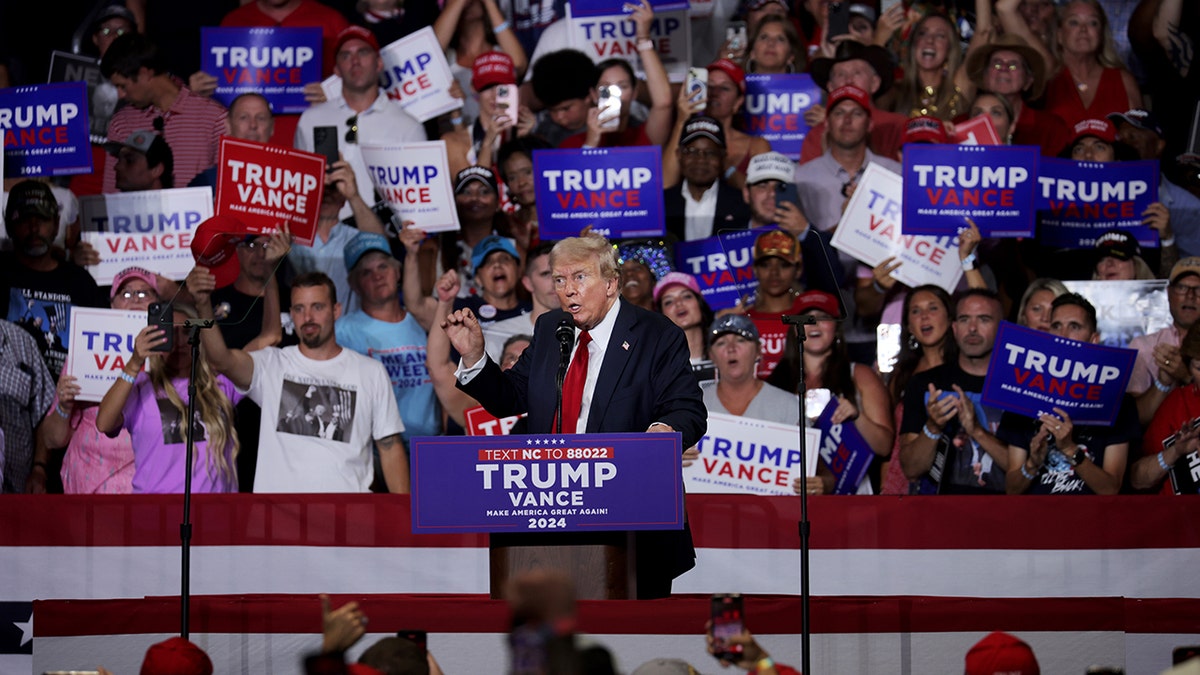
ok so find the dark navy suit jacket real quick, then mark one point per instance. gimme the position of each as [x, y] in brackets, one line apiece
[650, 381]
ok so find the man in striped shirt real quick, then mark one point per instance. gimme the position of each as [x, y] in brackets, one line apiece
[191, 124]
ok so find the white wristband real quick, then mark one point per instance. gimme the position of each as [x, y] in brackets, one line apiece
[1169, 241]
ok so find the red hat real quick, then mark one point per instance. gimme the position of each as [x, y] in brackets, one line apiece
[355, 33]
[850, 93]
[1102, 129]
[733, 70]
[492, 68]
[176, 656]
[925, 129]
[1001, 653]
[817, 300]
[214, 245]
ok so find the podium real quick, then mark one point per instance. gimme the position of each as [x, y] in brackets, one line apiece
[572, 503]
[603, 566]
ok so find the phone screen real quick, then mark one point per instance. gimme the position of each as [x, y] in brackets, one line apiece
[697, 85]
[610, 106]
[735, 35]
[839, 19]
[160, 314]
[507, 101]
[727, 621]
[325, 142]
[787, 192]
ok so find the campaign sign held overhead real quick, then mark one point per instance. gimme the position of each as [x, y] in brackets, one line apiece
[273, 62]
[1032, 372]
[775, 107]
[618, 191]
[870, 231]
[604, 29]
[265, 186]
[990, 184]
[414, 179]
[1078, 201]
[45, 129]
[417, 76]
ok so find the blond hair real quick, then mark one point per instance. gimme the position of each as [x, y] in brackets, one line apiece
[589, 247]
[213, 407]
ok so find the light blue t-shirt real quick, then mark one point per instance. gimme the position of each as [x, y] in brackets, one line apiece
[326, 256]
[400, 347]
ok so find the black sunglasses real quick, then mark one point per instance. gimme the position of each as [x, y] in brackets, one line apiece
[352, 132]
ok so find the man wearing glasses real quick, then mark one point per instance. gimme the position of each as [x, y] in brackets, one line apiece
[362, 113]
[1160, 367]
[703, 204]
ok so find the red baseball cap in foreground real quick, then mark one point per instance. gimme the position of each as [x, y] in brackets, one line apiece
[214, 246]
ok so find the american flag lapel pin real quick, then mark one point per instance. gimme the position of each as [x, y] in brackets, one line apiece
[625, 346]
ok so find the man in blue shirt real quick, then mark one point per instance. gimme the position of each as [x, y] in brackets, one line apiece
[384, 331]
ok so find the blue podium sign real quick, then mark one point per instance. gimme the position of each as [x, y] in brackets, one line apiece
[543, 483]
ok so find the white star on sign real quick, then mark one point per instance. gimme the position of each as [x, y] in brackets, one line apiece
[26, 629]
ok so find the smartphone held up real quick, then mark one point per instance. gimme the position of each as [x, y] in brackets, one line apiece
[728, 621]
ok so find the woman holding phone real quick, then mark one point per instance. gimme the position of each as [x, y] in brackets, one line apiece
[152, 406]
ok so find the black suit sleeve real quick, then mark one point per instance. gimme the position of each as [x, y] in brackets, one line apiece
[679, 401]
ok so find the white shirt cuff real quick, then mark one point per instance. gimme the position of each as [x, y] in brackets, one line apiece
[466, 374]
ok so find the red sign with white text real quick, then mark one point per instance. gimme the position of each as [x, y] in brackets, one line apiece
[265, 186]
[482, 423]
[978, 130]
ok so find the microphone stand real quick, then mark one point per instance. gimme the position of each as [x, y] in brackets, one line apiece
[800, 321]
[185, 528]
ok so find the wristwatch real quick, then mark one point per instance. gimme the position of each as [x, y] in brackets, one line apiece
[1081, 454]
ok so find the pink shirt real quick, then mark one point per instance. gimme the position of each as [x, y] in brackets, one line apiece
[95, 463]
[1145, 370]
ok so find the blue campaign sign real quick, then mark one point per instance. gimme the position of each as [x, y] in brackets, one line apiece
[618, 191]
[1077, 201]
[990, 184]
[1032, 372]
[844, 451]
[45, 130]
[722, 265]
[582, 8]
[775, 107]
[541, 483]
[273, 62]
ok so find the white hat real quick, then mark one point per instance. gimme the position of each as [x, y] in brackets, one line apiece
[770, 166]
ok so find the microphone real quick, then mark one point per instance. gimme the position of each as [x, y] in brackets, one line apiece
[566, 335]
[566, 339]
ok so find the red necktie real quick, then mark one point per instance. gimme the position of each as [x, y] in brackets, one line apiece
[573, 385]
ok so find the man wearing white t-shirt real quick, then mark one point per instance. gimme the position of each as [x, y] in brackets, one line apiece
[322, 404]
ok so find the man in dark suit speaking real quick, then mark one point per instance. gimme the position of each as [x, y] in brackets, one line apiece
[633, 375]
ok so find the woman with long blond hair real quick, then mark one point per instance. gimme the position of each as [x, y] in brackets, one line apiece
[152, 405]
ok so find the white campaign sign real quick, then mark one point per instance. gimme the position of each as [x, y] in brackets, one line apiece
[870, 231]
[151, 229]
[612, 36]
[414, 179]
[744, 455]
[101, 342]
[417, 76]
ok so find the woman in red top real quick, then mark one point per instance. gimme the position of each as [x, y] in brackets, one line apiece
[1092, 81]
[1174, 417]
